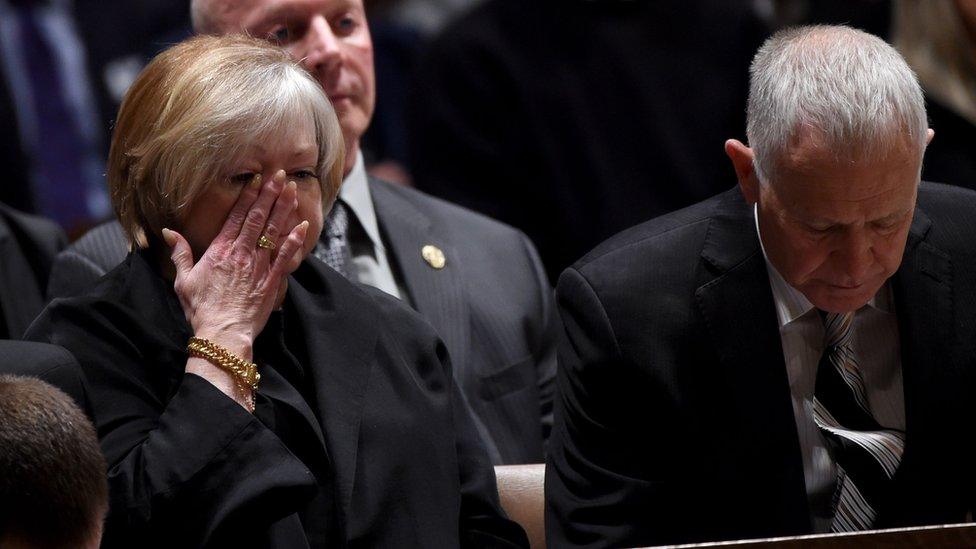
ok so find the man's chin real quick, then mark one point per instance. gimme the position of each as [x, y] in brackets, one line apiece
[353, 123]
[838, 299]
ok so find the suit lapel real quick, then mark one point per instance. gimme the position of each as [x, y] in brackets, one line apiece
[924, 305]
[737, 304]
[436, 293]
[276, 387]
[20, 301]
[340, 338]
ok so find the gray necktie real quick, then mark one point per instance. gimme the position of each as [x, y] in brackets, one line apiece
[333, 246]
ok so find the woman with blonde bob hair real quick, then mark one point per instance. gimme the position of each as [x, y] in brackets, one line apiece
[243, 395]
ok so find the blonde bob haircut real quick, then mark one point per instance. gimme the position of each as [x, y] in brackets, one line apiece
[191, 114]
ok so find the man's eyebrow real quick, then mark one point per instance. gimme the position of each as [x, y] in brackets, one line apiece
[815, 220]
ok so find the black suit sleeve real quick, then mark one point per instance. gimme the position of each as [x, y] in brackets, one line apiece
[605, 484]
[186, 463]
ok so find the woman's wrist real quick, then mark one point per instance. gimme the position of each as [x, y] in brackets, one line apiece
[231, 363]
[234, 341]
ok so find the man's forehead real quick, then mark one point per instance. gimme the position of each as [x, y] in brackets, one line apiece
[819, 186]
[842, 201]
[810, 151]
[225, 13]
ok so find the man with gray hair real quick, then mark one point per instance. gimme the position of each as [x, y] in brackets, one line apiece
[792, 356]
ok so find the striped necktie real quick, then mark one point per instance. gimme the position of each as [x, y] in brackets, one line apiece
[866, 454]
[59, 182]
[333, 246]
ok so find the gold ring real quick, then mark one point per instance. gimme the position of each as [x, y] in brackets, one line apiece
[266, 243]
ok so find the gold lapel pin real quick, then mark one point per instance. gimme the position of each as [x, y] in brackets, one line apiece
[433, 256]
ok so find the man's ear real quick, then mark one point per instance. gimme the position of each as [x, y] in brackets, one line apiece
[742, 157]
[929, 134]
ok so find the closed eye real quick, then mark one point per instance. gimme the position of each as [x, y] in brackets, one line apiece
[885, 226]
[242, 178]
[818, 229]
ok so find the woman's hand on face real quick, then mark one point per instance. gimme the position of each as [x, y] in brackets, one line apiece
[228, 294]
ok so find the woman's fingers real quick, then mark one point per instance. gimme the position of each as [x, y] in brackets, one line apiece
[180, 252]
[292, 251]
[235, 219]
[281, 212]
[257, 217]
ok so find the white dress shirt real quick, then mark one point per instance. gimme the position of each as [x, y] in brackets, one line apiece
[877, 349]
[370, 263]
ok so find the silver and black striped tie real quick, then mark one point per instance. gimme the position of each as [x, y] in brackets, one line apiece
[333, 246]
[867, 454]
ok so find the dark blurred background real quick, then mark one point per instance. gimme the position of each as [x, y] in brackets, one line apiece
[570, 119]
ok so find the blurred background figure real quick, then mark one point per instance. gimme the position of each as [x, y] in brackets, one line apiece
[64, 66]
[873, 16]
[426, 17]
[938, 39]
[53, 491]
[399, 29]
[573, 120]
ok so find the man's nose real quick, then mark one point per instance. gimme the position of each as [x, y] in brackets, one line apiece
[856, 254]
[323, 50]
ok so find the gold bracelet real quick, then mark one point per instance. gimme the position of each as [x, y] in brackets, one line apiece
[244, 372]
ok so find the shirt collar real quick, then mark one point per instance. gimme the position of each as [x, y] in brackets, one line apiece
[790, 303]
[355, 193]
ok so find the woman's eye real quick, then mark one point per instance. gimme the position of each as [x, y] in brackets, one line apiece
[243, 178]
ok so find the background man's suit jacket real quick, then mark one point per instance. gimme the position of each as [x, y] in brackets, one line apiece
[28, 245]
[491, 304]
[47, 362]
[392, 444]
[674, 420]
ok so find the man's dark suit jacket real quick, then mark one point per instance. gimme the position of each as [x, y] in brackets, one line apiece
[674, 420]
[491, 304]
[189, 467]
[28, 245]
